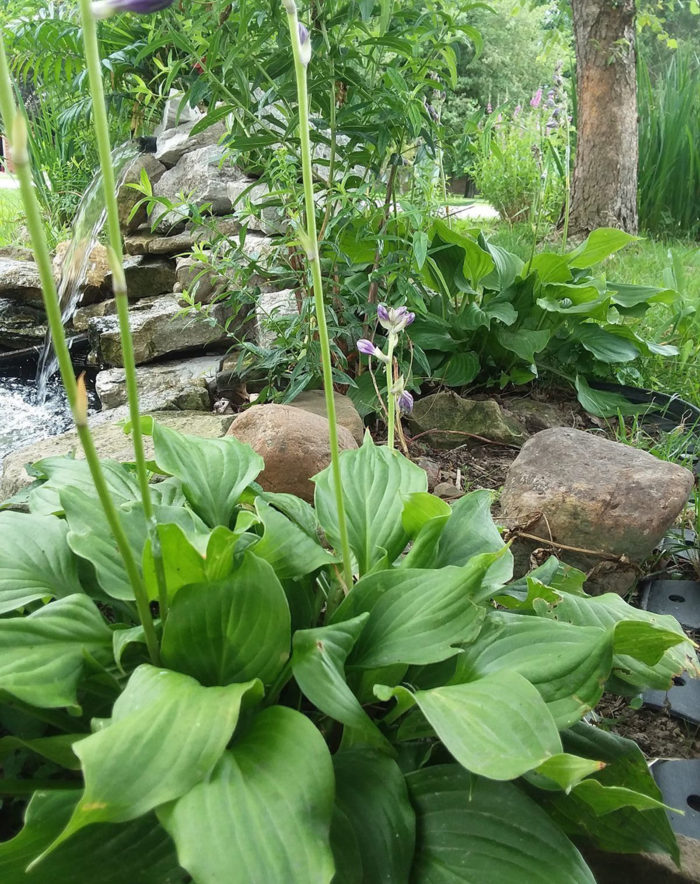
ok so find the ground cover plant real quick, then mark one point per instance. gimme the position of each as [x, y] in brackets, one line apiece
[199, 678]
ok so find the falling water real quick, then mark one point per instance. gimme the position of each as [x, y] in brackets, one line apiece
[87, 226]
[33, 408]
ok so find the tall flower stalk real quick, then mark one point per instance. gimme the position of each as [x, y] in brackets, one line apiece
[16, 126]
[101, 126]
[301, 47]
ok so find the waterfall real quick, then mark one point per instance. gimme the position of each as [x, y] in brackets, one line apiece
[88, 223]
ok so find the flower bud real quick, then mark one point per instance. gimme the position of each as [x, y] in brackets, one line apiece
[118, 278]
[369, 349]
[105, 8]
[304, 44]
[405, 402]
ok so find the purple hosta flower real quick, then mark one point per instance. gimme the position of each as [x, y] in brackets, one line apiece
[105, 8]
[405, 402]
[489, 108]
[304, 44]
[394, 319]
[517, 111]
[536, 99]
[369, 349]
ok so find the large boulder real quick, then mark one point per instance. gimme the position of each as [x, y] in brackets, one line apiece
[181, 385]
[19, 280]
[345, 412]
[587, 492]
[128, 197]
[110, 440]
[72, 266]
[158, 328]
[292, 442]
[447, 420]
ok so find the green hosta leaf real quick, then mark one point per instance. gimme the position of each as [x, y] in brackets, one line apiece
[139, 852]
[42, 656]
[632, 295]
[604, 404]
[416, 616]
[605, 345]
[508, 265]
[35, 561]
[265, 810]
[471, 531]
[57, 749]
[420, 508]
[477, 263]
[619, 809]
[166, 734]
[550, 268]
[374, 482]
[637, 646]
[460, 369]
[498, 727]
[575, 300]
[371, 793]
[231, 630]
[182, 563]
[599, 244]
[424, 517]
[213, 472]
[318, 665]
[61, 472]
[289, 549]
[475, 831]
[569, 665]
[567, 770]
[524, 342]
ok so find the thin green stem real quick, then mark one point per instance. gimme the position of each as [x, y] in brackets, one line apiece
[104, 148]
[312, 249]
[15, 124]
[390, 398]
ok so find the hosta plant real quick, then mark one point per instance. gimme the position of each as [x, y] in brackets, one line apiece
[408, 729]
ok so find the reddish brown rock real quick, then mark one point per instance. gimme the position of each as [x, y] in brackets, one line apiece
[346, 413]
[587, 492]
[292, 442]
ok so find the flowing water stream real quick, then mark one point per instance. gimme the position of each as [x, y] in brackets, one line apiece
[32, 408]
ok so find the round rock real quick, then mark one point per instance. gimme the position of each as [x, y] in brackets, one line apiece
[593, 494]
[292, 442]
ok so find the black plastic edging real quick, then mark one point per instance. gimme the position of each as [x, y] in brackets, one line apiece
[679, 782]
[682, 699]
[680, 598]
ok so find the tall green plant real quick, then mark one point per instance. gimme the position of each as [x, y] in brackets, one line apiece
[669, 145]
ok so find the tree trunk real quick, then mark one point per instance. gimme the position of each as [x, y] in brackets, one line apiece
[604, 185]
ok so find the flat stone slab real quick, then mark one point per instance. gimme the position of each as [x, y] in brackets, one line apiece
[19, 280]
[110, 439]
[179, 385]
[158, 328]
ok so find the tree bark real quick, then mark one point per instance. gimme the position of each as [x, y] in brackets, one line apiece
[604, 184]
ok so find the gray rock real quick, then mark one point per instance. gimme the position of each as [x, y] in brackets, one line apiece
[645, 868]
[146, 276]
[19, 280]
[204, 176]
[346, 414]
[144, 242]
[21, 324]
[177, 112]
[584, 491]
[16, 253]
[449, 421]
[204, 283]
[293, 443]
[539, 415]
[110, 441]
[271, 306]
[181, 385]
[158, 328]
[174, 143]
[128, 197]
